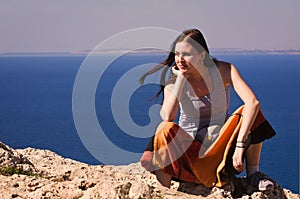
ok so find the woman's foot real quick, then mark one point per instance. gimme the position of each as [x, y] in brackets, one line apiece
[163, 178]
[261, 181]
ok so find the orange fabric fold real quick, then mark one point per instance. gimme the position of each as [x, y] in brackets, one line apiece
[177, 153]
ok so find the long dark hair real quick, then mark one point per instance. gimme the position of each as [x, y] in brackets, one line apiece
[196, 39]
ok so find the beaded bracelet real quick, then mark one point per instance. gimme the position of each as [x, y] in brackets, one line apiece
[240, 144]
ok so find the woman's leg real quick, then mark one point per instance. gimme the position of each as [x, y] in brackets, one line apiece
[253, 158]
[163, 178]
[259, 180]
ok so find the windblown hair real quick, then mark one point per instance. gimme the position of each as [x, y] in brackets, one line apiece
[192, 36]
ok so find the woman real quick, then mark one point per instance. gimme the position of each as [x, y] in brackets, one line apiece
[198, 87]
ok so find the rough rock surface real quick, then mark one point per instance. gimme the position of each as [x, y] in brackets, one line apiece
[34, 173]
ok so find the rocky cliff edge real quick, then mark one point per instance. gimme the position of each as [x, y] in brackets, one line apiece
[35, 173]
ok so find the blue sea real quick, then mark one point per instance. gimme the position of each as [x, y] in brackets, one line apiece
[36, 105]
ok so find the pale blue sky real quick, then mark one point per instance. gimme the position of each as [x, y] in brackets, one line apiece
[73, 25]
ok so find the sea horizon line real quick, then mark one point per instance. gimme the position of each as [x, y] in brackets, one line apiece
[152, 50]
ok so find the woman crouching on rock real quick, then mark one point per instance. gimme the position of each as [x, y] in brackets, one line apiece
[207, 146]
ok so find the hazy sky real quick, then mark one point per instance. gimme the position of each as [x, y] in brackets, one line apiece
[72, 25]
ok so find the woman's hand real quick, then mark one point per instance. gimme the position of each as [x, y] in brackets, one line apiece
[237, 159]
[179, 72]
[176, 70]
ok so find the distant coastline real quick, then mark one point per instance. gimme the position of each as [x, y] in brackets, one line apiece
[213, 51]
[254, 51]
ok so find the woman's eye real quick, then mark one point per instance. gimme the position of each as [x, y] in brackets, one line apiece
[182, 54]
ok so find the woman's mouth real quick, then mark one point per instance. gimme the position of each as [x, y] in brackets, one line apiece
[182, 66]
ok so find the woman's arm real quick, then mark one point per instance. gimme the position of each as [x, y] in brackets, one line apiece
[251, 107]
[172, 93]
[250, 111]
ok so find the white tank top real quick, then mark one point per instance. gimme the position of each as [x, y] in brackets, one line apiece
[202, 117]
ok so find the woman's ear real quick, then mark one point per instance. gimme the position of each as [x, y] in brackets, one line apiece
[202, 55]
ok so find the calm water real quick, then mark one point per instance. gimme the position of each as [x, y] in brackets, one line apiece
[36, 105]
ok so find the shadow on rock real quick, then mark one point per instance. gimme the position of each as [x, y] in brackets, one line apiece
[236, 189]
[242, 188]
[193, 188]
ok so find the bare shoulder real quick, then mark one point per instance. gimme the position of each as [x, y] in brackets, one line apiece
[224, 69]
[222, 65]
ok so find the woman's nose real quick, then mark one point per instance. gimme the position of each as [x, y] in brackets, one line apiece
[181, 58]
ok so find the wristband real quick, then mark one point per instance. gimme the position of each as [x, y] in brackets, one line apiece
[240, 144]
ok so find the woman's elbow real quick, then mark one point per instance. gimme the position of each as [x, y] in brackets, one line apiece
[167, 117]
[257, 103]
[254, 103]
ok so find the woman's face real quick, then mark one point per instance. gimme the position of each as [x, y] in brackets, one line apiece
[186, 56]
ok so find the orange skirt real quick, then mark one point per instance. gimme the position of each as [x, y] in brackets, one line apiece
[175, 152]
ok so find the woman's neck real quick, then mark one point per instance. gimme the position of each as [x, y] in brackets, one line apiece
[200, 80]
[200, 74]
